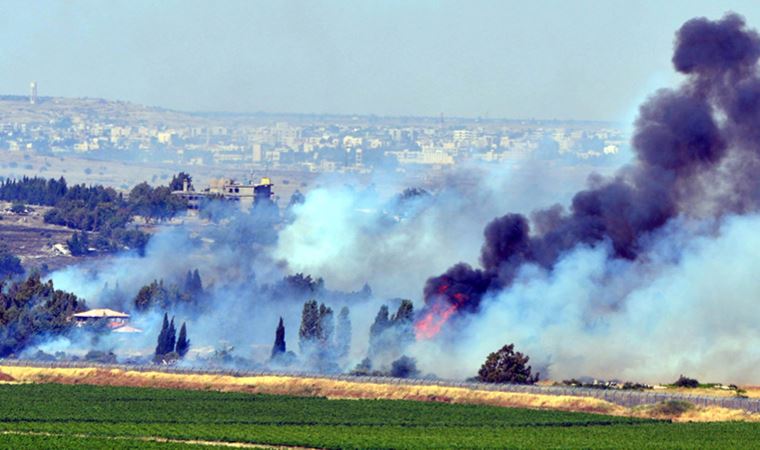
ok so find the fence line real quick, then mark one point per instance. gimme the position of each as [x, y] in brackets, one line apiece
[626, 398]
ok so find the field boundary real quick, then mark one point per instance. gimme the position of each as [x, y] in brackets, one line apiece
[198, 442]
[626, 398]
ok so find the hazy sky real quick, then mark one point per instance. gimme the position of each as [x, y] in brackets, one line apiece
[542, 59]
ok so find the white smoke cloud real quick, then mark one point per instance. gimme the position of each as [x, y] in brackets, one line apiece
[690, 307]
[346, 235]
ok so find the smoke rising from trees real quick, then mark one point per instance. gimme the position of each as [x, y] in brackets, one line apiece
[682, 150]
[642, 274]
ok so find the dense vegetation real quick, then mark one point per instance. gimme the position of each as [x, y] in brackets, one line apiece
[10, 264]
[97, 209]
[165, 297]
[30, 309]
[102, 412]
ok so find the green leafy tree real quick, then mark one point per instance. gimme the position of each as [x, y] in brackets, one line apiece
[10, 264]
[179, 180]
[31, 310]
[507, 366]
[79, 244]
[686, 382]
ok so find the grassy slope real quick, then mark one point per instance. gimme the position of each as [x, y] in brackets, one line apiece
[318, 422]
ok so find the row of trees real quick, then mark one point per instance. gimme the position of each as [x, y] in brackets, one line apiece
[170, 347]
[161, 296]
[31, 309]
[97, 209]
[318, 334]
[392, 333]
[10, 264]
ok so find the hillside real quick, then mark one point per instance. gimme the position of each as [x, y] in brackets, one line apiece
[17, 109]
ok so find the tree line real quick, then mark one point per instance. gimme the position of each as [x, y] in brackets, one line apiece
[31, 309]
[163, 296]
[97, 209]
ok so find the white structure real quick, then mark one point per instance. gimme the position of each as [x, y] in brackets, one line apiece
[33, 92]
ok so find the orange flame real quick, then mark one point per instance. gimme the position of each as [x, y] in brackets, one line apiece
[438, 314]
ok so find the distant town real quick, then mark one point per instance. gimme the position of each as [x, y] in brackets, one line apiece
[122, 131]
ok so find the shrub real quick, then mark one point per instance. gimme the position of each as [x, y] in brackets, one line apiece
[404, 367]
[18, 208]
[507, 366]
[672, 408]
[686, 382]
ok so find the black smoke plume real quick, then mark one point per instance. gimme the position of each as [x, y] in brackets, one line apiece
[697, 154]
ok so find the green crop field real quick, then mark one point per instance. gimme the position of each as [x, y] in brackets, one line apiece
[63, 416]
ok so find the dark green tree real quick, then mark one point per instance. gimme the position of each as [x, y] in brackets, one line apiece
[171, 339]
[507, 366]
[31, 310]
[197, 283]
[686, 382]
[381, 323]
[309, 331]
[183, 344]
[403, 322]
[296, 199]
[79, 244]
[377, 329]
[326, 325]
[10, 264]
[404, 367]
[279, 349]
[178, 181]
[343, 333]
[18, 208]
[161, 349]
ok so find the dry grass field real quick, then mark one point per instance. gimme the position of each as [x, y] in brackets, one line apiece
[336, 389]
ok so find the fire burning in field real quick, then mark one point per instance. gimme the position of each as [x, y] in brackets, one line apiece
[439, 313]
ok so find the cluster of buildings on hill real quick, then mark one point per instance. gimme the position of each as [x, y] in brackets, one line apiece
[316, 144]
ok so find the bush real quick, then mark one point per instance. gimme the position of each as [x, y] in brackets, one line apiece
[686, 382]
[100, 357]
[404, 367]
[507, 366]
[672, 408]
[18, 208]
[10, 264]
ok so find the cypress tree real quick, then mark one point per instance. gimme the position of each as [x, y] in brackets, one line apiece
[403, 322]
[309, 331]
[197, 283]
[183, 344]
[382, 322]
[343, 333]
[171, 338]
[279, 341]
[378, 341]
[326, 325]
[188, 282]
[161, 344]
